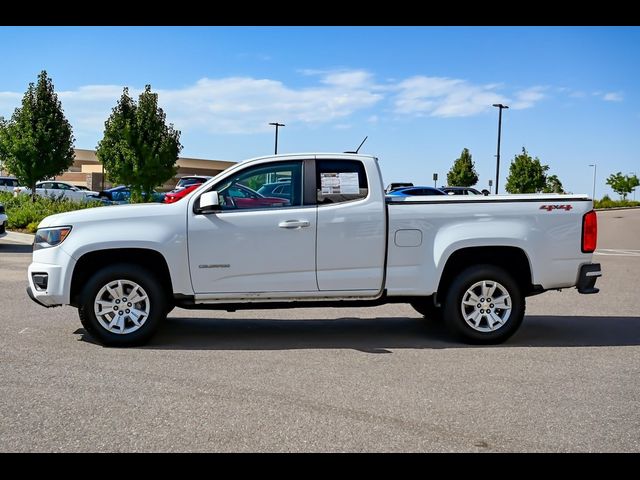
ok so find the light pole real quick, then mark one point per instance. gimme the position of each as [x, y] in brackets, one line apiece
[595, 166]
[501, 107]
[276, 124]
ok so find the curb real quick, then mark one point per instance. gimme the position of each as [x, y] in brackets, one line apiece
[22, 238]
[614, 208]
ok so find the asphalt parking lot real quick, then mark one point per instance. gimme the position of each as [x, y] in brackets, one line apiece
[374, 379]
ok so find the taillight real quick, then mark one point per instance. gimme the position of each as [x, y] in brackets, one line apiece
[589, 232]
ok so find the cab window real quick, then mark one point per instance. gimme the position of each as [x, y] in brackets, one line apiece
[340, 181]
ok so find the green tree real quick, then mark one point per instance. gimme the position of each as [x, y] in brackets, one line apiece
[37, 142]
[553, 185]
[623, 184]
[138, 148]
[463, 172]
[526, 174]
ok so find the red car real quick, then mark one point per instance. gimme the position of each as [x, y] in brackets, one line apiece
[176, 195]
[237, 196]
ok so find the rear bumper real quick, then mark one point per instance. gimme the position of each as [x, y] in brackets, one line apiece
[587, 278]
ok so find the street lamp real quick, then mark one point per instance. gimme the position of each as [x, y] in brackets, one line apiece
[276, 124]
[594, 165]
[501, 107]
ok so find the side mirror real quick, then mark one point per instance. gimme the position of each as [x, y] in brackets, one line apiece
[209, 202]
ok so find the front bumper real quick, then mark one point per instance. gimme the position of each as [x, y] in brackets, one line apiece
[587, 277]
[33, 297]
[57, 266]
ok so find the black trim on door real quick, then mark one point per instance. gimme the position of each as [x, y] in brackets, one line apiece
[309, 182]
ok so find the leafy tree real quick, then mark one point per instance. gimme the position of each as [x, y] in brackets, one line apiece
[37, 142]
[463, 172]
[623, 184]
[526, 174]
[554, 185]
[138, 148]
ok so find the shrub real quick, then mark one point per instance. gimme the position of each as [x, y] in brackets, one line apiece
[606, 202]
[25, 214]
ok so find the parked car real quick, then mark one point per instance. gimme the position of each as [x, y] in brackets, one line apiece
[179, 193]
[3, 221]
[396, 185]
[280, 189]
[8, 184]
[57, 189]
[240, 196]
[122, 194]
[190, 180]
[417, 190]
[462, 191]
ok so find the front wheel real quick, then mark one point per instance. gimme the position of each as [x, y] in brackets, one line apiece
[484, 305]
[122, 306]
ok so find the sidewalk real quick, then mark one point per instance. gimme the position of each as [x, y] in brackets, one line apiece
[15, 237]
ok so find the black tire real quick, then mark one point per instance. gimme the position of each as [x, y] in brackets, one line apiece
[155, 296]
[85, 322]
[453, 308]
[426, 308]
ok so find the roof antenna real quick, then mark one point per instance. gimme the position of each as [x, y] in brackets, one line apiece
[358, 149]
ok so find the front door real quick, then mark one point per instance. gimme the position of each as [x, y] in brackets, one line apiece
[256, 243]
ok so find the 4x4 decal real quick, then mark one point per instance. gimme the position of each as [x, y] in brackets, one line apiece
[548, 208]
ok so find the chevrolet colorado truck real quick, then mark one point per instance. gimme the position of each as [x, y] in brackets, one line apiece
[337, 240]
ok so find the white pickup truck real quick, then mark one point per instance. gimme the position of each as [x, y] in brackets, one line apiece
[334, 240]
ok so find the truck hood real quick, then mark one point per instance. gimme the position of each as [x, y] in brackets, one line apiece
[105, 214]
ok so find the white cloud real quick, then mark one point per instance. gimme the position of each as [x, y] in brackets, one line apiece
[226, 105]
[528, 98]
[613, 97]
[247, 104]
[444, 97]
[348, 79]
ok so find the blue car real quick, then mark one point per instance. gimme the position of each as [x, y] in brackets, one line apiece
[413, 191]
[122, 193]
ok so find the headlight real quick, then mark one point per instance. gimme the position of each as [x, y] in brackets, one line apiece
[50, 237]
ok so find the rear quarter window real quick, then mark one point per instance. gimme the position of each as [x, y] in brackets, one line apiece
[340, 181]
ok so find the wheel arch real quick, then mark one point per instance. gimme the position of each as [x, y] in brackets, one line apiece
[91, 262]
[513, 260]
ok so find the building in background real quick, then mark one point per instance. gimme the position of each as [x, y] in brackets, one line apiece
[87, 170]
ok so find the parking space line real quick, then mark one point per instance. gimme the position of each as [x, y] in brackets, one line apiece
[618, 252]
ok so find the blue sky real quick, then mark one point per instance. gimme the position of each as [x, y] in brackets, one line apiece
[421, 94]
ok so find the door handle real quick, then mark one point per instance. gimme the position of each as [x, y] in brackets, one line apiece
[294, 224]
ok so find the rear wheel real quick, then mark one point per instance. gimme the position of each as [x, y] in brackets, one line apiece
[484, 305]
[122, 306]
